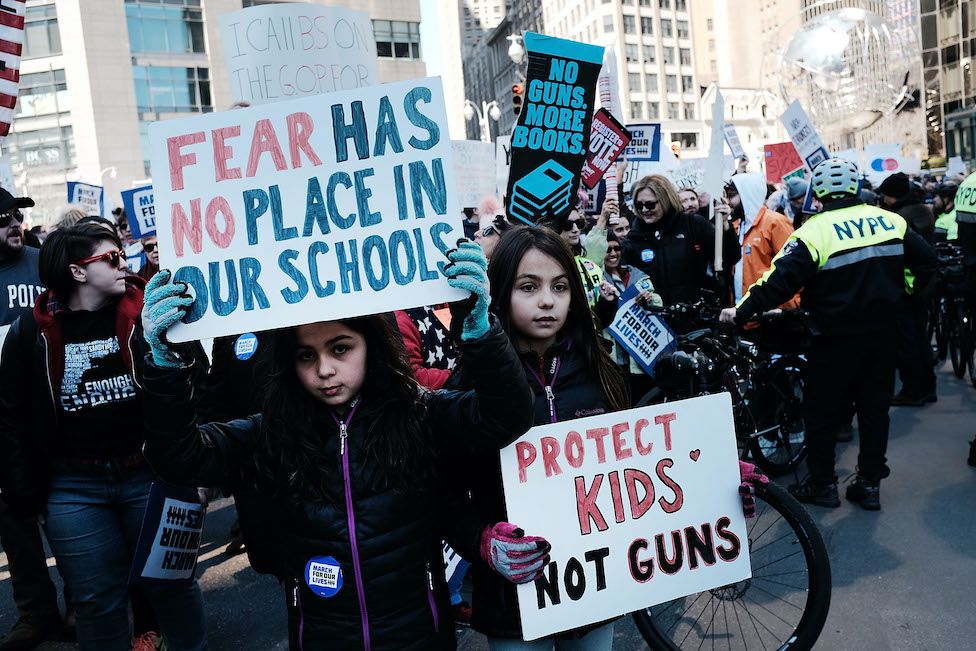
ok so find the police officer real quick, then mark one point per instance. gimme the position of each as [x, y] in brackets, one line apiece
[850, 262]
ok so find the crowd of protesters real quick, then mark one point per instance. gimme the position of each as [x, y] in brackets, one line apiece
[322, 434]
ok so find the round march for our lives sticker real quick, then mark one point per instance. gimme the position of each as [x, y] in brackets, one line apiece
[323, 575]
[245, 346]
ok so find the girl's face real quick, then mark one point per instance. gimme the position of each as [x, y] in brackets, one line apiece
[330, 360]
[647, 206]
[689, 200]
[612, 259]
[540, 299]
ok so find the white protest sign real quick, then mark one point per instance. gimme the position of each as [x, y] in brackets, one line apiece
[640, 506]
[645, 142]
[732, 139]
[285, 50]
[91, 198]
[474, 171]
[315, 209]
[956, 167]
[173, 554]
[503, 160]
[140, 211]
[804, 136]
[692, 171]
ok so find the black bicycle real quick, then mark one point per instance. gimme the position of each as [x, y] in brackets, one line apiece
[782, 606]
[761, 367]
[952, 325]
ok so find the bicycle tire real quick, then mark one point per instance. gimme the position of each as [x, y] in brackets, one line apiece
[964, 340]
[817, 590]
[937, 332]
[781, 451]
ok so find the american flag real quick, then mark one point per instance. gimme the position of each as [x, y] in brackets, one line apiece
[11, 45]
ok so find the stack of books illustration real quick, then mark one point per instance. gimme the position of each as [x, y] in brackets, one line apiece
[544, 192]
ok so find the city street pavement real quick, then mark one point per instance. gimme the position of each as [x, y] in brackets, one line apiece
[904, 578]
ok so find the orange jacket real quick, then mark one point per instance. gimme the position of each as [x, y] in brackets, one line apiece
[767, 234]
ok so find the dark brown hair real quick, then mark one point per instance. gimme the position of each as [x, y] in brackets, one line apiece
[664, 191]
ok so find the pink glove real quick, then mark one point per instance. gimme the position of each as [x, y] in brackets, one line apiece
[517, 557]
[752, 481]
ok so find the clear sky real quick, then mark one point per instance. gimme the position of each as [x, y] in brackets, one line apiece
[430, 44]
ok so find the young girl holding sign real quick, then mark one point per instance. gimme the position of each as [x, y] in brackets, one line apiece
[350, 450]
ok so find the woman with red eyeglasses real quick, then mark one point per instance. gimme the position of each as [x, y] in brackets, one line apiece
[71, 433]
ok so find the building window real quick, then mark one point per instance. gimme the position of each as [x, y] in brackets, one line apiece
[666, 29]
[684, 56]
[682, 28]
[650, 82]
[686, 84]
[710, 24]
[42, 93]
[170, 27]
[644, 3]
[653, 111]
[667, 53]
[636, 111]
[689, 111]
[671, 83]
[161, 89]
[650, 54]
[647, 25]
[397, 39]
[665, 4]
[672, 110]
[688, 140]
[711, 45]
[51, 147]
[681, 5]
[608, 23]
[630, 25]
[41, 36]
[633, 82]
[631, 52]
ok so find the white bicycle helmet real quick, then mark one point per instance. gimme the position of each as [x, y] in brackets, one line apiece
[835, 178]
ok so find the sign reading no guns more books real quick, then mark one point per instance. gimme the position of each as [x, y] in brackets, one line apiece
[640, 506]
[315, 209]
[283, 51]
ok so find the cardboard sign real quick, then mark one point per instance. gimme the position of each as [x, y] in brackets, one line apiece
[282, 51]
[91, 198]
[645, 142]
[640, 506]
[503, 160]
[474, 170]
[552, 137]
[140, 211]
[169, 540]
[732, 140]
[691, 172]
[781, 159]
[608, 138]
[804, 135]
[644, 336]
[315, 209]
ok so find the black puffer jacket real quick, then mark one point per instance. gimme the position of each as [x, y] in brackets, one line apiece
[396, 593]
[918, 215]
[576, 394]
[676, 253]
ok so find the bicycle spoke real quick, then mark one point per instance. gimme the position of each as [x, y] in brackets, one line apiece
[739, 622]
[754, 575]
[682, 615]
[753, 540]
[693, 626]
[768, 611]
[787, 585]
[754, 621]
[785, 535]
[785, 601]
[778, 560]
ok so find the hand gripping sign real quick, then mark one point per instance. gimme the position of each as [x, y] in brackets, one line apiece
[641, 507]
[313, 209]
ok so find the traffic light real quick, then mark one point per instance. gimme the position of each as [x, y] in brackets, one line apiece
[517, 91]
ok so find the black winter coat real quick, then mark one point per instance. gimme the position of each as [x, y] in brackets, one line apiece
[676, 253]
[918, 215]
[576, 394]
[395, 593]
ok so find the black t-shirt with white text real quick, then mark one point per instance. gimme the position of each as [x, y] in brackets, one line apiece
[100, 414]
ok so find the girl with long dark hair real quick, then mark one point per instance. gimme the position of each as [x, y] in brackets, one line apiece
[539, 299]
[351, 450]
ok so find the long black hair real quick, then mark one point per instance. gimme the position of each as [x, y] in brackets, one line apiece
[580, 327]
[291, 454]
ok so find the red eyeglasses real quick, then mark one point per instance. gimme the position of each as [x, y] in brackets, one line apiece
[114, 258]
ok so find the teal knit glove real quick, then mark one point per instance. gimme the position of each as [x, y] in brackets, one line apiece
[165, 304]
[468, 271]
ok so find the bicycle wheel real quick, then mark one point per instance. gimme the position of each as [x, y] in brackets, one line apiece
[656, 396]
[781, 450]
[937, 333]
[952, 339]
[783, 605]
[964, 339]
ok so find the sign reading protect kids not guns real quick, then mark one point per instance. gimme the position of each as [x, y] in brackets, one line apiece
[315, 209]
[640, 506]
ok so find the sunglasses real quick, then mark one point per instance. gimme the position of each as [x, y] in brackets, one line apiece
[613, 249]
[568, 226]
[7, 217]
[149, 247]
[645, 205]
[114, 258]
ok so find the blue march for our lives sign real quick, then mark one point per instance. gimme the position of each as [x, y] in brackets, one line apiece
[642, 334]
[169, 541]
[645, 142]
[140, 211]
[91, 198]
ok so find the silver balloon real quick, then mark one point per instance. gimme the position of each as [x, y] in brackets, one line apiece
[848, 68]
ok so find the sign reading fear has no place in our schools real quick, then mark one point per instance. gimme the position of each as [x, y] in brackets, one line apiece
[640, 506]
[281, 51]
[315, 209]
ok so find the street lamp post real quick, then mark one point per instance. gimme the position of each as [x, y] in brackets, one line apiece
[487, 110]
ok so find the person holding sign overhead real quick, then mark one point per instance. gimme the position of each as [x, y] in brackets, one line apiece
[351, 452]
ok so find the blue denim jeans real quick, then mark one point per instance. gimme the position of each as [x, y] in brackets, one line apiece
[93, 521]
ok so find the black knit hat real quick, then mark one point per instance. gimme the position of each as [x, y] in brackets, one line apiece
[896, 186]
